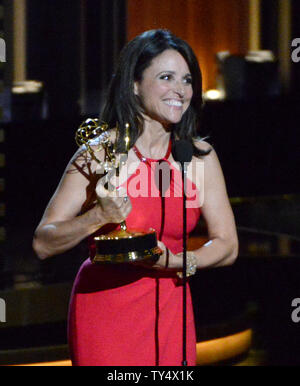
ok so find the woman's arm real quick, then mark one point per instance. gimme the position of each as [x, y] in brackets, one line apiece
[218, 215]
[62, 227]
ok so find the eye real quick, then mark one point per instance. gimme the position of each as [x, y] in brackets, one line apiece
[166, 77]
[188, 80]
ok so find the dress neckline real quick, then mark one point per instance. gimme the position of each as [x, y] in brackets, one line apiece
[144, 159]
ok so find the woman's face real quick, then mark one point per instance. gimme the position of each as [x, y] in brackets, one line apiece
[166, 88]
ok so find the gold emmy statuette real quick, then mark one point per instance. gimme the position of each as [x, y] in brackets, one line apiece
[122, 245]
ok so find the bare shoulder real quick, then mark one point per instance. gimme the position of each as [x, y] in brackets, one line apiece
[203, 145]
[210, 158]
[213, 168]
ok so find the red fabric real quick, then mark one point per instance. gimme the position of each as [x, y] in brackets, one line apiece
[124, 315]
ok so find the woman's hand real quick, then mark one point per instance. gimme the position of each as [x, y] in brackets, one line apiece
[174, 262]
[113, 204]
[167, 260]
[113, 209]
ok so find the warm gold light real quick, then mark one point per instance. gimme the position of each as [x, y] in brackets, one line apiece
[209, 352]
[214, 94]
[222, 349]
[56, 363]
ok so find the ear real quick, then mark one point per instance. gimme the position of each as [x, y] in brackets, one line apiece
[136, 88]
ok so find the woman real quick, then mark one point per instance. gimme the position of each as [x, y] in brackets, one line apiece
[132, 314]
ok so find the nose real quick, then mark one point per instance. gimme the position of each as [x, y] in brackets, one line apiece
[179, 89]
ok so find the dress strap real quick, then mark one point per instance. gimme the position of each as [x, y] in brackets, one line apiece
[144, 159]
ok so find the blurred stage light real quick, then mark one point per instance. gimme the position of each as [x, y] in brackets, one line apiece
[214, 94]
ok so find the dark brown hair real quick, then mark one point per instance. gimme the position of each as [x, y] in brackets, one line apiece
[122, 105]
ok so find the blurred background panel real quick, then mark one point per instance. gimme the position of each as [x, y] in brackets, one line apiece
[204, 24]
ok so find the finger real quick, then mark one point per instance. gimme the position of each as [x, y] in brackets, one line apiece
[122, 205]
[101, 191]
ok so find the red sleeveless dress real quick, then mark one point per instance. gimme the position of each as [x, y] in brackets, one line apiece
[125, 315]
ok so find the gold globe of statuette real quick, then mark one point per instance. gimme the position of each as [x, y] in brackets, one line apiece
[118, 246]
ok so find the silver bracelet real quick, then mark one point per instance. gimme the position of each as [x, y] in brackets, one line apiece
[191, 265]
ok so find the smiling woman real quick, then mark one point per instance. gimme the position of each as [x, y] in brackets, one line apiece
[155, 52]
[131, 314]
[166, 89]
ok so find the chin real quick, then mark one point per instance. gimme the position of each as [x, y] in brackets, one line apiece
[174, 119]
[167, 120]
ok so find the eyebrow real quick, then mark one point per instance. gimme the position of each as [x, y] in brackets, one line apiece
[173, 72]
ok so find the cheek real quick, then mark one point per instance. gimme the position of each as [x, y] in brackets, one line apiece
[156, 90]
[189, 97]
[152, 93]
[190, 93]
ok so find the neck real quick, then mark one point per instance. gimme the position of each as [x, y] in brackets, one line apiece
[154, 141]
